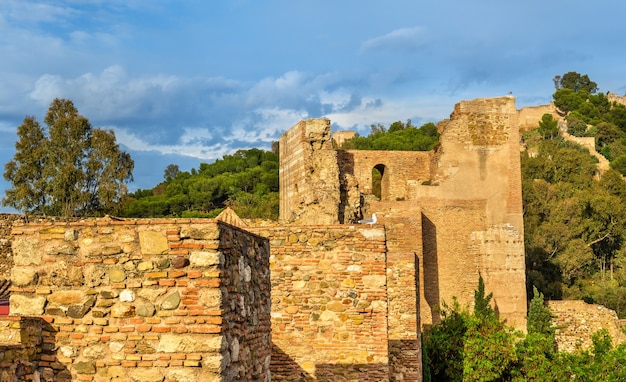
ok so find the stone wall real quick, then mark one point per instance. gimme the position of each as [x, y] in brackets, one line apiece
[146, 300]
[309, 174]
[577, 321]
[399, 170]
[329, 303]
[27, 351]
[6, 257]
[530, 116]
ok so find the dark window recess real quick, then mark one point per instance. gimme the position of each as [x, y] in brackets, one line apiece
[4, 297]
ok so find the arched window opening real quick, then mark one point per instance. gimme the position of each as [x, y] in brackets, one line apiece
[379, 186]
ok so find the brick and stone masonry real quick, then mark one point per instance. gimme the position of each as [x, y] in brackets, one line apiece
[138, 300]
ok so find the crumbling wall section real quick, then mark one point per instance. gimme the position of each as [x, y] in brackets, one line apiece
[309, 174]
[576, 321]
[146, 300]
[401, 169]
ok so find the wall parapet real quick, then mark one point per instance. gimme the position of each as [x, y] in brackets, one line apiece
[146, 299]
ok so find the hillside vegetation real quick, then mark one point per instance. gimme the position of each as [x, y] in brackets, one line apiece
[575, 217]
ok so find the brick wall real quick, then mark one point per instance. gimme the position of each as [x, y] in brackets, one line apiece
[146, 300]
[329, 303]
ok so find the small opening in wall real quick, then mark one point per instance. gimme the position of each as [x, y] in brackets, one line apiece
[4, 297]
[379, 181]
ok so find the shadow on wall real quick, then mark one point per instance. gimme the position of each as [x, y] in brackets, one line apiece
[284, 368]
[28, 351]
[431, 267]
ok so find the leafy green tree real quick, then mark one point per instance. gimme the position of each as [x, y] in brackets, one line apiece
[26, 169]
[171, 171]
[70, 168]
[576, 127]
[577, 82]
[548, 127]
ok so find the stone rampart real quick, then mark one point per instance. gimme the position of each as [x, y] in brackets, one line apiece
[576, 321]
[145, 300]
[329, 303]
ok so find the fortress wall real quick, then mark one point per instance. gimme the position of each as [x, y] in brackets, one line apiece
[144, 299]
[474, 208]
[401, 168]
[405, 272]
[309, 184]
[530, 116]
[576, 322]
[329, 303]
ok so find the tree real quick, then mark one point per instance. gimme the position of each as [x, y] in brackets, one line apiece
[578, 82]
[68, 169]
[25, 170]
[171, 171]
[548, 127]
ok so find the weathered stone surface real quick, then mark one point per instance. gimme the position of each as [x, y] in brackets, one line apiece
[21, 276]
[117, 275]
[206, 258]
[200, 232]
[26, 251]
[171, 301]
[62, 249]
[374, 281]
[200, 343]
[146, 374]
[79, 310]
[95, 351]
[153, 243]
[144, 308]
[27, 305]
[210, 298]
[122, 309]
[145, 266]
[127, 296]
[180, 262]
[84, 367]
[182, 375]
[150, 294]
[67, 297]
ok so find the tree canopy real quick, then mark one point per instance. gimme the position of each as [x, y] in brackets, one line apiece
[574, 217]
[67, 168]
[247, 181]
[399, 136]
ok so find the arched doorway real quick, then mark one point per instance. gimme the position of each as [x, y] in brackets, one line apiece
[380, 182]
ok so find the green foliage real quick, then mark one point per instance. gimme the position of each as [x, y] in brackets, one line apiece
[466, 347]
[399, 136]
[548, 127]
[576, 126]
[246, 180]
[67, 169]
[577, 82]
[574, 224]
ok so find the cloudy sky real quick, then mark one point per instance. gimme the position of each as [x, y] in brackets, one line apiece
[188, 81]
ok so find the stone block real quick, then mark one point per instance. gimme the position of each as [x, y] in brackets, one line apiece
[200, 232]
[27, 305]
[21, 276]
[153, 243]
[206, 258]
[198, 343]
[26, 251]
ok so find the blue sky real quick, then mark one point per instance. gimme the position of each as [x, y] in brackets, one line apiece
[188, 81]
